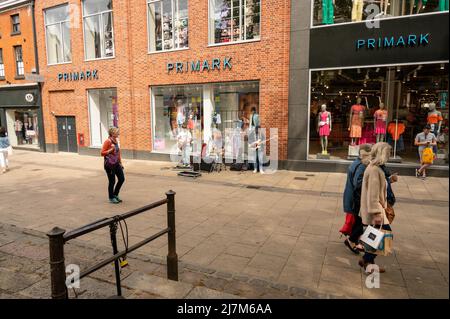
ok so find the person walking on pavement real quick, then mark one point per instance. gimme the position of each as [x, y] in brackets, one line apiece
[113, 165]
[425, 141]
[374, 196]
[4, 145]
[352, 199]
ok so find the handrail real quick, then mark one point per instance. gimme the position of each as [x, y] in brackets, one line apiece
[108, 221]
[58, 237]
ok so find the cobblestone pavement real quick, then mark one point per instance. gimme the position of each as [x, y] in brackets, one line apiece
[268, 229]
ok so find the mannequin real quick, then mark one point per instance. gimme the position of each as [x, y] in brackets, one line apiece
[18, 127]
[357, 10]
[324, 127]
[328, 11]
[380, 118]
[356, 121]
[435, 120]
[419, 3]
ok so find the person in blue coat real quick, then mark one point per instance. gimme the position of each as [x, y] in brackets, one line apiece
[352, 199]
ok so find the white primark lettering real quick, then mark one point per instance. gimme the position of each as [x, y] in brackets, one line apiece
[194, 309]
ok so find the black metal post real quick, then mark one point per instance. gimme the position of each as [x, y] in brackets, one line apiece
[113, 232]
[172, 257]
[57, 266]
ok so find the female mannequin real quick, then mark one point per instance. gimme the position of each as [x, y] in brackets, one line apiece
[328, 11]
[380, 118]
[419, 3]
[356, 121]
[324, 127]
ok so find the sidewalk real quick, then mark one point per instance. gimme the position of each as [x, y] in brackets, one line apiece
[277, 228]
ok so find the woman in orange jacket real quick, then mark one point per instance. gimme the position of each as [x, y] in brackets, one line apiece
[113, 165]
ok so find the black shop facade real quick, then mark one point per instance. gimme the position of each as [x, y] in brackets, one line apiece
[21, 115]
[370, 84]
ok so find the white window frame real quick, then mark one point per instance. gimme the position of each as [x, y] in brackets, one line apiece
[2, 65]
[20, 67]
[15, 24]
[60, 23]
[175, 12]
[242, 20]
[102, 34]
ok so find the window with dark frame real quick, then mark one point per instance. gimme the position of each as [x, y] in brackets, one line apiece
[2, 66]
[20, 70]
[15, 21]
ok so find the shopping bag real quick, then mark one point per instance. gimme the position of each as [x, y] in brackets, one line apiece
[372, 237]
[385, 247]
[9, 149]
[427, 155]
[386, 244]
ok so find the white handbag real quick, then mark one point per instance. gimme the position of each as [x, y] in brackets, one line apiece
[10, 150]
[372, 237]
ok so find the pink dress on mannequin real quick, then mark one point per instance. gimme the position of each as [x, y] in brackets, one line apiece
[380, 121]
[324, 130]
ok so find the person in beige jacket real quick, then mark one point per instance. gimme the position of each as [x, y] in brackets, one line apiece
[374, 195]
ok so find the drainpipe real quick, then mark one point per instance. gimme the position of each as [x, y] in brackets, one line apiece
[36, 61]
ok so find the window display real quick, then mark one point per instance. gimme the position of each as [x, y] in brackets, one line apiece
[216, 115]
[328, 12]
[23, 127]
[234, 20]
[168, 24]
[57, 32]
[371, 105]
[98, 29]
[103, 114]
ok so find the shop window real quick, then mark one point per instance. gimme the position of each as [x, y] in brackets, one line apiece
[98, 29]
[168, 24]
[2, 66]
[15, 24]
[328, 12]
[351, 107]
[57, 32]
[23, 126]
[103, 114]
[211, 112]
[20, 71]
[234, 20]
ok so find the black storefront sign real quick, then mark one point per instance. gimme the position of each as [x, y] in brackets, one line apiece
[16, 97]
[418, 38]
[22, 97]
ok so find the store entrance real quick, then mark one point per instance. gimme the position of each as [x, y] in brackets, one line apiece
[67, 139]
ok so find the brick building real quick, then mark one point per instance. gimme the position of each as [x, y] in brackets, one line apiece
[148, 66]
[20, 110]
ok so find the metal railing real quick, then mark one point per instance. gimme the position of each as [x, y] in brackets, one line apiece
[58, 237]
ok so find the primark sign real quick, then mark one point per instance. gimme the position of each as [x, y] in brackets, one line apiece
[78, 76]
[409, 40]
[199, 65]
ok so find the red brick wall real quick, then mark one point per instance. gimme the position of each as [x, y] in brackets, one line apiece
[25, 39]
[133, 70]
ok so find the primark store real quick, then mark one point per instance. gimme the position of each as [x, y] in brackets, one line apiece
[367, 71]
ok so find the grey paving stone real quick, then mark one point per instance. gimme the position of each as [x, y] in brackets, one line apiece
[157, 286]
[206, 293]
[13, 281]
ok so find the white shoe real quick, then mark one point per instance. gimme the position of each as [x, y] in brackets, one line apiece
[262, 173]
[255, 171]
